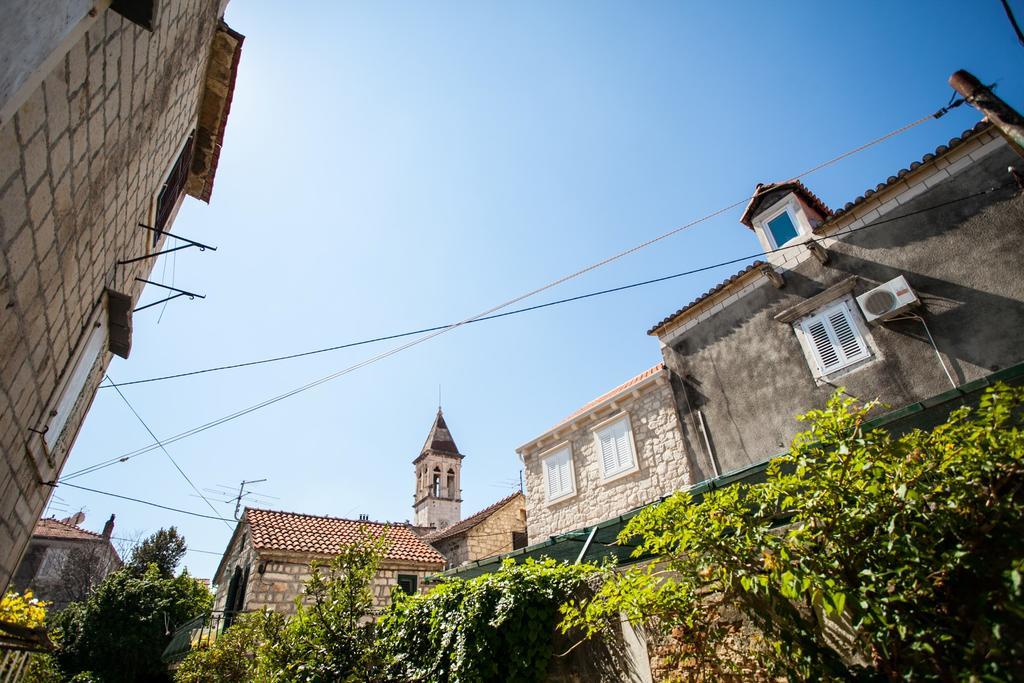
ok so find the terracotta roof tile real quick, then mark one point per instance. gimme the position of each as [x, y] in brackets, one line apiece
[471, 521]
[299, 533]
[54, 528]
[721, 285]
[762, 189]
[978, 128]
[603, 398]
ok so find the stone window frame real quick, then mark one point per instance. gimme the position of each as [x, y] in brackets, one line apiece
[796, 213]
[549, 452]
[415, 583]
[860, 327]
[619, 474]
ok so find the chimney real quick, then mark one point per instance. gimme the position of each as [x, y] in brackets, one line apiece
[364, 518]
[108, 528]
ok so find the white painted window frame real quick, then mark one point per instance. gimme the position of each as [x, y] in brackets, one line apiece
[542, 458]
[91, 349]
[860, 328]
[796, 214]
[607, 477]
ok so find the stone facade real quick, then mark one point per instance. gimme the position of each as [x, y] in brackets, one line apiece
[500, 528]
[82, 161]
[283, 579]
[251, 578]
[661, 463]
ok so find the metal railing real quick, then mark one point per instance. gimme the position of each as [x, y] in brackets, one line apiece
[197, 634]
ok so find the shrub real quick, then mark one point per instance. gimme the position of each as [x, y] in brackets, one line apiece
[495, 627]
[912, 545]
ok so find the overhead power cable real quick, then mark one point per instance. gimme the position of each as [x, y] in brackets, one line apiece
[884, 221]
[483, 314]
[162, 447]
[144, 502]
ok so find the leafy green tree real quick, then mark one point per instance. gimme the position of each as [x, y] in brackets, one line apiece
[119, 633]
[331, 636]
[863, 555]
[164, 548]
[495, 627]
[235, 657]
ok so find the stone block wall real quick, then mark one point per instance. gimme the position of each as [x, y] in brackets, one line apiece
[283, 579]
[494, 535]
[663, 465]
[81, 163]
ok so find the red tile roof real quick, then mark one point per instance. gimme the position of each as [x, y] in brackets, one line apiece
[763, 189]
[604, 398]
[50, 527]
[471, 521]
[298, 533]
[714, 290]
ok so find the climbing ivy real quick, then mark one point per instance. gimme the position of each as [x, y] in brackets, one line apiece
[495, 627]
[863, 556]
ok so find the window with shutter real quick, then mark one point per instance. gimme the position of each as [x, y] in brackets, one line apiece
[615, 447]
[558, 473]
[834, 339]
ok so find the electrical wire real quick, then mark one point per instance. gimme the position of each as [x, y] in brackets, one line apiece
[494, 309]
[161, 446]
[133, 454]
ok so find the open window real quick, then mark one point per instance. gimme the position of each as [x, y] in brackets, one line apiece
[172, 190]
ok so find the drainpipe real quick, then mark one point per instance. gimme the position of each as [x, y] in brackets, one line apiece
[707, 445]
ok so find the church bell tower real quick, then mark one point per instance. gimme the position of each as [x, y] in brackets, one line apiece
[438, 497]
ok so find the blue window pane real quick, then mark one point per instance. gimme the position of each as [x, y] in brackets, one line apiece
[782, 228]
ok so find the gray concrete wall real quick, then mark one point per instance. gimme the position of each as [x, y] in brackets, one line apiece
[747, 372]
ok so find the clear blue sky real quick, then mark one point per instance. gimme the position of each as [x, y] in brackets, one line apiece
[391, 166]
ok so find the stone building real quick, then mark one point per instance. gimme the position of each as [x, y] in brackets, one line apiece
[620, 451]
[268, 558]
[908, 291]
[64, 562]
[109, 115]
[437, 501]
[498, 528]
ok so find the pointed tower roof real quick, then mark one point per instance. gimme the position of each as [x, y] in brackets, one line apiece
[440, 440]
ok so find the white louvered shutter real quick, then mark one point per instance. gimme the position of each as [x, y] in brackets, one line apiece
[834, 339]
[558, 473]
[615, 447]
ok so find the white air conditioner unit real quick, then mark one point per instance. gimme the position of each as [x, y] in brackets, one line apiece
[888, 300]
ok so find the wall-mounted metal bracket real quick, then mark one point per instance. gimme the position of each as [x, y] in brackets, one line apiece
[179, 292]
[188, 243]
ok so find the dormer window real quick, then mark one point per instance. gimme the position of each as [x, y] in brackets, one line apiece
[782, 226]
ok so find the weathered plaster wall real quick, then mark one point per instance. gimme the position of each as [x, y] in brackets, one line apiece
[80, 165]
[664, 465]
[747, 372]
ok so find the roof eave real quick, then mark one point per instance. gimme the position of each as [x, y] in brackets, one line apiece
[642, 384]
